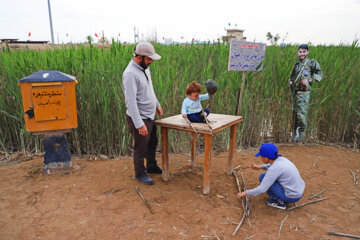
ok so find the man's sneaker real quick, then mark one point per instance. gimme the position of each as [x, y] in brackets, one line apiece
[275, 204]
[154, 170]
[145, 179]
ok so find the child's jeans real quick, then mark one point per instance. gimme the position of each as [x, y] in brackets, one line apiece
[276, 192]
[198, 117]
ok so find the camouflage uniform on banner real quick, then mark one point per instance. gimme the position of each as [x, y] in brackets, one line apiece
[304, 72]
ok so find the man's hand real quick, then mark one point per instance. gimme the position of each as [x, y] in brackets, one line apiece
[241, 194]
[184, 115]
[255, 167]
[159, 111]
[143, 131]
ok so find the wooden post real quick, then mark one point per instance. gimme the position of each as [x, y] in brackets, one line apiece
[229, 168]
[193, 149]
[207, 163]
[237, 102]
[165, 153]
[241, 92]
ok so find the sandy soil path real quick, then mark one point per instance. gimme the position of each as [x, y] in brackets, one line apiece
[99, 200]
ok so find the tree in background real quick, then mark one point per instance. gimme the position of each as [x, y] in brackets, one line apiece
[272, 39]
[89, 39]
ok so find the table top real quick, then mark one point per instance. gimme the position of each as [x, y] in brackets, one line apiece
[218, 123]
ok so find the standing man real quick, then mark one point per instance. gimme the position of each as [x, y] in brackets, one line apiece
[142, 107]
[304, 72]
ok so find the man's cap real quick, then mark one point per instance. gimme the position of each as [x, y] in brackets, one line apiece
[303, 46]
[146, 49]
[268, 150]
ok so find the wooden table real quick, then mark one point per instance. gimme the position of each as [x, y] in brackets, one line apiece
[218, 123]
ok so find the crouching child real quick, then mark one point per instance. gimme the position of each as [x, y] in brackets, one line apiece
[282, 181]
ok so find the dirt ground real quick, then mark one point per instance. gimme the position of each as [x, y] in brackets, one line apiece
[99, 200]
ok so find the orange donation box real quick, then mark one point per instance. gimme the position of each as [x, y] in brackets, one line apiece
[49, 102]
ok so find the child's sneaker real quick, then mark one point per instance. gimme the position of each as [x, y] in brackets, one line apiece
[276, 204]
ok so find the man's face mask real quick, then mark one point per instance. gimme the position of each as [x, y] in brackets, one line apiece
[302, 53]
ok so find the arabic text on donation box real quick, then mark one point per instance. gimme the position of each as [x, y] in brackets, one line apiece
[49, 104]
[245, 56]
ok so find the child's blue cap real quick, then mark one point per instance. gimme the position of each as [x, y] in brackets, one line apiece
[268, 150]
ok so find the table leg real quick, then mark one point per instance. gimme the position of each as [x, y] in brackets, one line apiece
[193, 149]
[165, 153]
[229, 167]
[207, 163]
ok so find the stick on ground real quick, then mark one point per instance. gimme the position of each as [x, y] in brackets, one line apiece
[313, 219]
[247, 238]
[238, 166]
[143, 198]
[243, 205]
[354, 177]
[281, 225]
[321, 199]
[356, 195]
[239, 189]
[317, 194]
[237, 181]
[184, 219]
[239, 225]
[216, 236]
[247, 202]
[249, 222]
[343, 235]
[315, 162]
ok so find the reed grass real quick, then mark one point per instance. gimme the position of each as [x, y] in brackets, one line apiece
[334, 114]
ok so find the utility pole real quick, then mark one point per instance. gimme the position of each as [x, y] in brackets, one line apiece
[136, 35]
[51, 26]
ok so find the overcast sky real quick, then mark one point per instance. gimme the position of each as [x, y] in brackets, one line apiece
[315, 21]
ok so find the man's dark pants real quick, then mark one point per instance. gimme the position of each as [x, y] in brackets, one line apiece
[144, 146]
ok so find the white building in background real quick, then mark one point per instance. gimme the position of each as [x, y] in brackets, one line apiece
[234, 34]
[168, 41]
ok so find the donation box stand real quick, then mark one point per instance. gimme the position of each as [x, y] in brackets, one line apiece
[49, 105]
